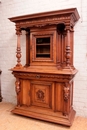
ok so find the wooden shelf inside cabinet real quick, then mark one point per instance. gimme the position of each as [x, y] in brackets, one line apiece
[44, 55]
[43, 47]
[43, 44]
[44, 86]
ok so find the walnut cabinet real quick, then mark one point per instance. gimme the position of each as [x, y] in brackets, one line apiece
[44, 85]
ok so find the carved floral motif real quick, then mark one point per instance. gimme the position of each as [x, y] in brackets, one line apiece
[40, 95]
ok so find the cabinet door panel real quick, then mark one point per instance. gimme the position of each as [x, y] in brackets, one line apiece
[41, 93]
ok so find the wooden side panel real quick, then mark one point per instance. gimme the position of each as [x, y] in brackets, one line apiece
[25, 92]
[59, 97]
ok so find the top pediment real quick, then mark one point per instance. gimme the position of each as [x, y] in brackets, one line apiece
[66, 16]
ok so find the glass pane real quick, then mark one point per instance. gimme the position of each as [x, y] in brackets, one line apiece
[43, 47]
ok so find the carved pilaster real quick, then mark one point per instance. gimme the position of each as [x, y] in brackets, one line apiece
[18, 89]
[66, 92]
[27, 47]
[18, 55]
[66, 97]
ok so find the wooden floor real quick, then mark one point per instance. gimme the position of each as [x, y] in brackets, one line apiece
[9, 121]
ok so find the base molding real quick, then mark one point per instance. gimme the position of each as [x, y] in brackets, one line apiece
[55, 117]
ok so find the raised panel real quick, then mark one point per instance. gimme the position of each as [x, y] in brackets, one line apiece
[59, 97]
[41, 94]
[25, 92]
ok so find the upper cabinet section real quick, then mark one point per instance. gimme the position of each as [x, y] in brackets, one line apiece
[49, 38]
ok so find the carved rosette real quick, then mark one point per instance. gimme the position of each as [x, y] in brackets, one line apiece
[40, 95]
[18, 89]
[66, 92]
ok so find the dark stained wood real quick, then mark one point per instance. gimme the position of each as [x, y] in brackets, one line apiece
[44, 85]
[0, 87]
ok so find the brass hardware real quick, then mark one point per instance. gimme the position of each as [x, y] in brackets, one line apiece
[37, 76]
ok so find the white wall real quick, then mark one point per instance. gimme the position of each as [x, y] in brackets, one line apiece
[10, 8]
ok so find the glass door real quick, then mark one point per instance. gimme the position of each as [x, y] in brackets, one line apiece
[43, 47]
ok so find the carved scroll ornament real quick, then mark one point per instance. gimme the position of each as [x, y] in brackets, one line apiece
[66, 92]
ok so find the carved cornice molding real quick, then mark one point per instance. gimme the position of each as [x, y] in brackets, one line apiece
[66, 16]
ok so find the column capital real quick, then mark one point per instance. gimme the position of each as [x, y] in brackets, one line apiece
[69, 26]
[18, 30]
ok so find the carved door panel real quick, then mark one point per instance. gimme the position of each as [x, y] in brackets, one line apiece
[41, 93]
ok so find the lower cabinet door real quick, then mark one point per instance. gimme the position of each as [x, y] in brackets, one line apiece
[41, 93]
[44, 94]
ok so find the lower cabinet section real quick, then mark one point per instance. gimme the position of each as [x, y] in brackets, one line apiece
[49, 100]
[41, 94]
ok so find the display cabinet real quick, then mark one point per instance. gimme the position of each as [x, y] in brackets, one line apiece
[44, 85]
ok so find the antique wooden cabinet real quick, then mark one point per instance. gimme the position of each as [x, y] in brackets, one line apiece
[44, 86]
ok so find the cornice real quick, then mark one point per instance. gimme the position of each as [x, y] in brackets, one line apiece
[65, 16]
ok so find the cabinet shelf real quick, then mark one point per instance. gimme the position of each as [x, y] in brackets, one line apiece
[44, 55]
[43, 44]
